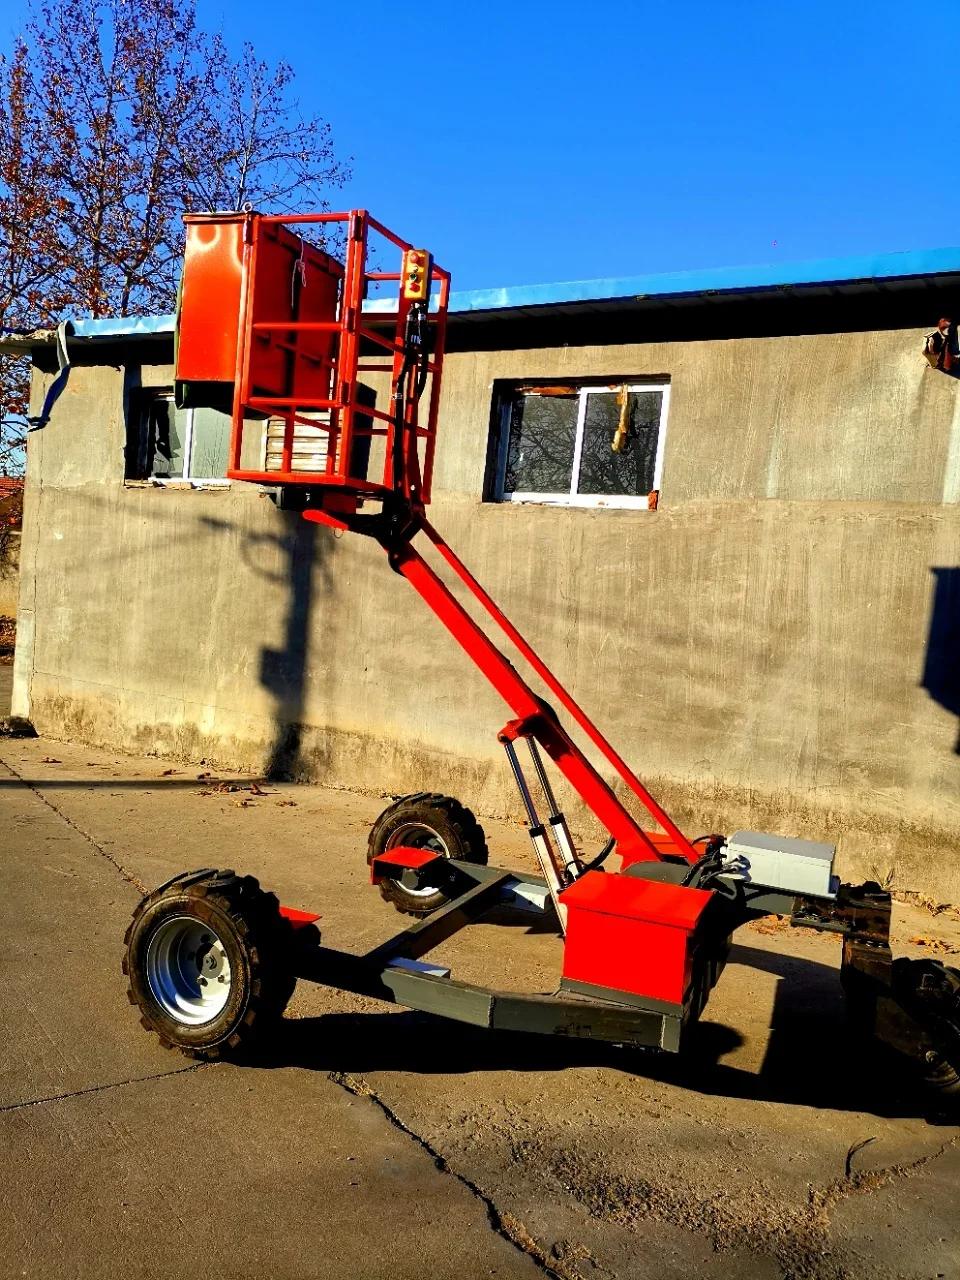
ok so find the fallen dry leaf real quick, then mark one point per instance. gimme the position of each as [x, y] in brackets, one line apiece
[243, 804]
[227, 786]
[258, 791]
[290, 804]
[50, 760]
[926, 903]
[937, 945]
[771, 924]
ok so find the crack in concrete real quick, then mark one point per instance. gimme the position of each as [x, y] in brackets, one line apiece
[102, 1088]
[504, 1224]
[129, 876]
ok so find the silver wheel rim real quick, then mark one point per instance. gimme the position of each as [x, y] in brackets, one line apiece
[417, 835]
[188, 970]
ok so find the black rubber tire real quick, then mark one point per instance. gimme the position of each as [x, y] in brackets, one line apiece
[459, 833]
[257, 940]
[930, 992]
[940, 1079]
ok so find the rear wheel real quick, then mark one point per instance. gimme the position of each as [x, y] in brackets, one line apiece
[209, 959]
[930, 992]
[426, 821]
[940, 1077]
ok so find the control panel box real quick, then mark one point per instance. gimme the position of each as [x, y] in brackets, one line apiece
[783, 862]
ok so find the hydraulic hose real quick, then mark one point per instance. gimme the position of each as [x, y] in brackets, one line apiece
[414, 353]
[601, 857]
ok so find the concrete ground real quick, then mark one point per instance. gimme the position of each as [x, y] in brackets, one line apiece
[371, 1142]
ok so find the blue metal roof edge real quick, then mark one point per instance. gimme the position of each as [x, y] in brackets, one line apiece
[128, 326]
[883, 266]
[823, 271]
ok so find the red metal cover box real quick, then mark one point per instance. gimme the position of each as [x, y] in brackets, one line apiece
[210, 298]
[294, 281]
[631, 935]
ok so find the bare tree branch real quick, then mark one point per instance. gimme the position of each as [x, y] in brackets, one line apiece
[116, 118]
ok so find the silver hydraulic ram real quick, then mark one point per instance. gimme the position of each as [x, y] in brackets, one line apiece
[552, 866]
[558, 823]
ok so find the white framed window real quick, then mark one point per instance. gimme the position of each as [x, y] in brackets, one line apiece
[578, 445]
[167, 444]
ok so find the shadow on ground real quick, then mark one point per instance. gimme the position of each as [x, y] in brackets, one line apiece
[812, 1059]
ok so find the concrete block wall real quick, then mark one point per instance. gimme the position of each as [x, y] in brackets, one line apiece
[774, 647]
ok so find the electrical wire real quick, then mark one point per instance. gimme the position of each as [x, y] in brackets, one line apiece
[602, 856]
[711, 860]
[414, 357]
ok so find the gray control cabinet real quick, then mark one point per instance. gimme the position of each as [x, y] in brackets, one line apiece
[783, 862]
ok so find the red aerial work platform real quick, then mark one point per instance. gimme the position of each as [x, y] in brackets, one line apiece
[335, 398]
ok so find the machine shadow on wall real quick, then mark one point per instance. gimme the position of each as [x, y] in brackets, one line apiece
[941, 672]
[283, 670]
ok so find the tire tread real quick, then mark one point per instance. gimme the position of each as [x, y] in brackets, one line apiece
[423, 805]
[266, 936]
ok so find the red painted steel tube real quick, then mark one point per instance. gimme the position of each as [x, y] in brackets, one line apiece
[385, 368]
[632, 840]
[305, 402]
[296, 325]
[439, 344]
[306, 217]
[374, 225]
[351, 304]
[369, 488]
[555, 687]
[240, 386]
[372, 336]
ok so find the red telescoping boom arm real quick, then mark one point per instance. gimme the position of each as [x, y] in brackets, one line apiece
[273, 321]
[535, 718]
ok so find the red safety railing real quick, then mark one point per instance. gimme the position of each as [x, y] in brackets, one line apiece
[305, 340]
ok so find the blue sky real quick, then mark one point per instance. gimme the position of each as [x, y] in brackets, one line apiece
[558, 141]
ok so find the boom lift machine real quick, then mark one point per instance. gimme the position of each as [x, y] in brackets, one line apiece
[289, 332]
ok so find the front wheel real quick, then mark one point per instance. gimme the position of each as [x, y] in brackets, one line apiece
[209, 961]
[425, 821]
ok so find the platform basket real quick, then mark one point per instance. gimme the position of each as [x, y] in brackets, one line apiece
[292, 317]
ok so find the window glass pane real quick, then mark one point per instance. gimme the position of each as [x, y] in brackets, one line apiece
[629, 471]
[168, 432]
[211, 444]
[540, 454]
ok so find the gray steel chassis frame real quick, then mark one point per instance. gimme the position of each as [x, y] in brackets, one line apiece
[482, 888]
[861, 914]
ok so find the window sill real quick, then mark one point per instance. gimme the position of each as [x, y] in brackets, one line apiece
[648, 502]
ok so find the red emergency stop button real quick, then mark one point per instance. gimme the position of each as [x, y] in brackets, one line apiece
[415, 275]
